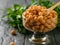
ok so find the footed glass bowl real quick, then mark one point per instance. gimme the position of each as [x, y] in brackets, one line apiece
[39, 20]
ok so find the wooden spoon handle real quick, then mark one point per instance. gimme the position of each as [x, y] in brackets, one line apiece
[53, 7]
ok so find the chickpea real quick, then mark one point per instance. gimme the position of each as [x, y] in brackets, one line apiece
[48, 21]
[30, 16]
[40, 13]
[47, 25]
[26, 16]
[37, 27]
[54, 21]
[31, 21]
[45, 18]
[25, 13]
[26, 25]
[53, 12]
[12, 43]
[52, 25]
[46, 30]
[32, 24]
[43, 7]
[49, 17]
[53, 15]
[13, 32]
[42, 28]
[30, 13]
[33, 27]
[34, 12]
[39, 8]
[38, 23]
[41, 19]
[30, 7]
[43, 10]
[44, 13]
[35, 18]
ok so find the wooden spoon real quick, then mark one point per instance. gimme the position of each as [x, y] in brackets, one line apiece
[53, 7]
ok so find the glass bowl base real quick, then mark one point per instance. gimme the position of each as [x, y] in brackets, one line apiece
[39, 39]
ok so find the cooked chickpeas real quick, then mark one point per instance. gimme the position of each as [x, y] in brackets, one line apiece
[13, 32]
[38, 18]
[12, 43]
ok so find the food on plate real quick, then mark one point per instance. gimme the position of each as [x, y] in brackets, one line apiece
[39, 19]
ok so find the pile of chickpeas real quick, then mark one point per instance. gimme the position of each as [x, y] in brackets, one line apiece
[39, 19]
